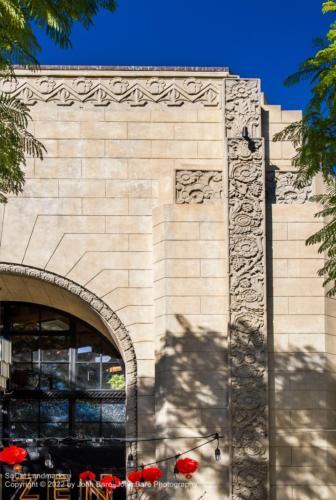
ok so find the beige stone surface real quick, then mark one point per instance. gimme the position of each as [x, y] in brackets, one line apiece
[299, 374]
[104, 168]
[100, 210]
[190, 318]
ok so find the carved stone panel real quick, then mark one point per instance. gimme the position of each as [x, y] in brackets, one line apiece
[248, 347]
[281, 188]
[248, 334]
[198, 186]
[242, 107]
[103, 91]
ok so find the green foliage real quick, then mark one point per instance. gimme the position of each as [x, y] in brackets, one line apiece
[329, 6]
[117, 382]
[326, 237]
[19, 45]
[15, 142]
[314, 138]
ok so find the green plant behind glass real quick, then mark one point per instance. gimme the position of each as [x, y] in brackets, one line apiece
[117, 382]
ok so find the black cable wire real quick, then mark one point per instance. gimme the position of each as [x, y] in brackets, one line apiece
[85, 466]
[70, 440]
[214, 437]
[180, 454]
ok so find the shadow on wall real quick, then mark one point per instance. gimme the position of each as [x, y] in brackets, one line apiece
[193, 384]
[302, 426]
[192, 400]
[302, 399]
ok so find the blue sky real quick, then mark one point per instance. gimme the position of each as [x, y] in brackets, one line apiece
[262, 38]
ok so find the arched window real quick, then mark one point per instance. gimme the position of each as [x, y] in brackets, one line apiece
[67, 381]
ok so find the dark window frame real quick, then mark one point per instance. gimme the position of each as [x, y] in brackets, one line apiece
[73, 393]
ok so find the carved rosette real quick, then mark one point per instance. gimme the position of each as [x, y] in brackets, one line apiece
[136, 92]
[281, 188]
[248, 337]
[242, 107]
[198, 186]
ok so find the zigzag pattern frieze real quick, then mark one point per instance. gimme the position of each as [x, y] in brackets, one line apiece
[102, 92]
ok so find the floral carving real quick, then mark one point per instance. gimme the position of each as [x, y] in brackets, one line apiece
[243, 173]
[104, 91]
[198, 186]
[281, 188]
[248, 353]
[242, 107]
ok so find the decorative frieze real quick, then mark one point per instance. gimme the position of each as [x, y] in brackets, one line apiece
[242, 107]
[247, 278]
[281, 188]
[104, 91]
[198, 186]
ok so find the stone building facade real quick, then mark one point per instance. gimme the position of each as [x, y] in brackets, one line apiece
[164, 215]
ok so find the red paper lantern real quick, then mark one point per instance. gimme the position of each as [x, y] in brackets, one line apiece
[135, 476]
[87, 475]
[151, 474]
[13, 455]
[111, 482]
[186, 466]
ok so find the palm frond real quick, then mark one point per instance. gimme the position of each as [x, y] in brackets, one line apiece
[18, 43]
[16, 142]
[326, 236]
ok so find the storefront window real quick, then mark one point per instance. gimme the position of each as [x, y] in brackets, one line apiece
[67, 379]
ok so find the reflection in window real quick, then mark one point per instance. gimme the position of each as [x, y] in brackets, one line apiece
[22, 430]
[109, 351]
[55, 410]
[113, 412]
[31, 418]
[87, 411]
[87, 430]
[79, 357]
[24, 348]
[55, 429]
[54, 321]
[113, 429]
[23, 409]
[24, 317]
[88, 348]
[54, 348]
[113, 377]
[24, 376]
[54, 376]
[62, 370]
[88, 376]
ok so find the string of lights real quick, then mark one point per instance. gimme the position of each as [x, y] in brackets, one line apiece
[33, 452]
[73, 440]
[214, 437]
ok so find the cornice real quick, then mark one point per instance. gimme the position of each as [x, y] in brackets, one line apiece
[127, 71]
[99, 90]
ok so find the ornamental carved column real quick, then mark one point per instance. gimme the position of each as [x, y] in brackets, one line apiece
[247, 291]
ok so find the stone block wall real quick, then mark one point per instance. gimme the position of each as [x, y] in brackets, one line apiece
[190, 287]
[144, 199]
[86, 212]
[302, 408]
